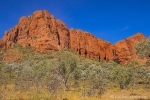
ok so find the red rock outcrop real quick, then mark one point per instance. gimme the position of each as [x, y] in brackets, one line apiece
[1, 43]
[124, 50]
[41, 31]
[89, 46]
[45, 34]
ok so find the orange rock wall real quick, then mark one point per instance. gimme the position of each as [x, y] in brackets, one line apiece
[124, 50]
[89, 46]
[1, 44]
[40, 31]
[45, 34]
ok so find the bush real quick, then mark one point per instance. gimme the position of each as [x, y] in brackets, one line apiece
[142, 48]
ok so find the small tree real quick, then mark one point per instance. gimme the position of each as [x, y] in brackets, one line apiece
[1, 77]
[65, 66]
[40, 70]
[7, 73]
[147, 63]
[142, 48]
[95, 79]
[52, 79]
[133, 67]
[122, 76]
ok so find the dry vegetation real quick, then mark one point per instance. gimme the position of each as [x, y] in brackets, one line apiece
[64, 75]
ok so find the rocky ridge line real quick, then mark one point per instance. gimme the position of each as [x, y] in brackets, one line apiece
[45, 34]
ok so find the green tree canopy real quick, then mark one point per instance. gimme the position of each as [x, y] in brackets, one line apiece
[142, 48]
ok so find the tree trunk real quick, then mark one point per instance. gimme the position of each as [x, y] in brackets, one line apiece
[65, 85]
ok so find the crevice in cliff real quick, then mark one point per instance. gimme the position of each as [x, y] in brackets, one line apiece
[105, 57]
[85, 52]
[27, 38]
[16, 36]
[99, 58]
[79, 51]
[114, 52]
[116, 60]
[58, 36]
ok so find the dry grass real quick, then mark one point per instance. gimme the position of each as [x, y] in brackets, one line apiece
[113, 94]
[117, 94]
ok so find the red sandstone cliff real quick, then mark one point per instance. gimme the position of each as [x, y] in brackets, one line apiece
[40, 31]
[45, 34]
[89, 46]
[1, 43]
[124, 50]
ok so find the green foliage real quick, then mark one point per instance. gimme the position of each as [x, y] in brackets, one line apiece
[143, 74]
[147, 63]
[65, 64]
[142, 48]
[1, 65]
[34, 37]
[64, 70]
[94, 78]
[122, 76]
[25, 51]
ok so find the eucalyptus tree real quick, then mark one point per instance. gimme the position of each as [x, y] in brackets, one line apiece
[133, 69]
[144, 75]
[64, 66]
[142, 48]
[7, 73]
[96, 80]
[53, 80]
[121, 76]
[1, 78]
[42, 73]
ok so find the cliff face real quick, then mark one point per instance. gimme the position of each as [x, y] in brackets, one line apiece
[1, 43]
[40, 31]
[89, 46]
[124, 50]
[45, 34]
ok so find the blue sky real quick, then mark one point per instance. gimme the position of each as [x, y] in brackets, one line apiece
[111, 20]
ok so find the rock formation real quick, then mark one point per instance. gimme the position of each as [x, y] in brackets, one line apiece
[40, 31]
[1, 43]
[89, 46]
[44, 33]
[124, 50]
